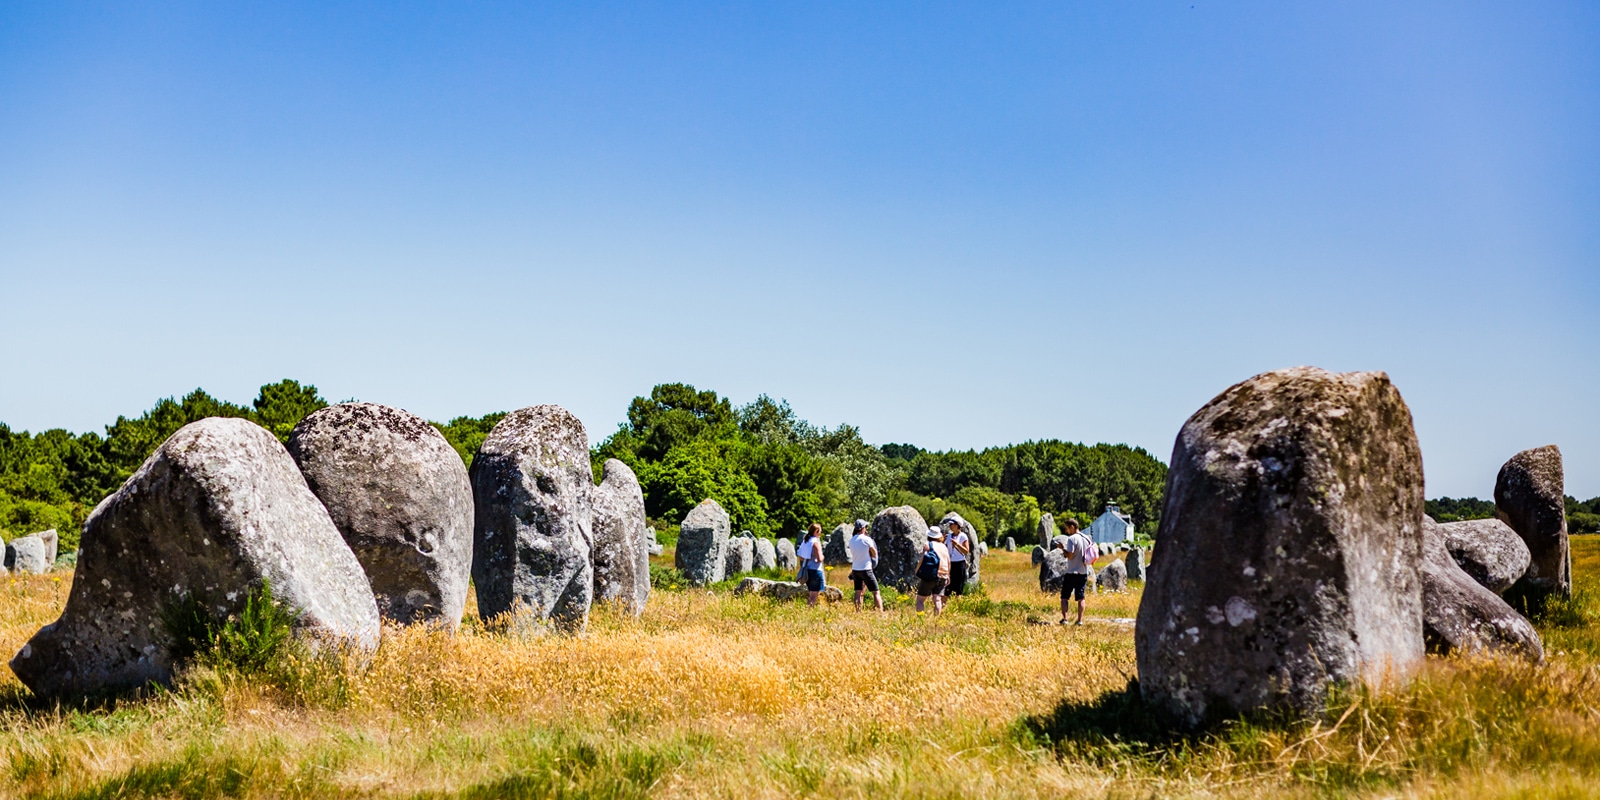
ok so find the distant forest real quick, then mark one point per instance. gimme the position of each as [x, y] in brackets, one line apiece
[773, 471]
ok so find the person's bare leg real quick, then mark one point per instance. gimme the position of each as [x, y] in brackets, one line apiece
[921, 599]
[877, 599]
[811, 598]
[1066, 606]
[1080, 612]
[858, 599]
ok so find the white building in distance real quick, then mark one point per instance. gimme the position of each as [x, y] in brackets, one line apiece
[1111, 527]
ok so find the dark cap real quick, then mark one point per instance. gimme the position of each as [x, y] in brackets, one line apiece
[861, 525]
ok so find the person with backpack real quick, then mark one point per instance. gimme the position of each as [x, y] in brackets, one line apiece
[863, 558]
[1081, 553]
[933, 571]
[810, 555]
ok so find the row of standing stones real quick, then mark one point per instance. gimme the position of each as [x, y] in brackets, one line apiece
[367, 515]
[1294, 554]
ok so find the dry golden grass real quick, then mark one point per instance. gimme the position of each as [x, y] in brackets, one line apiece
[708, 695]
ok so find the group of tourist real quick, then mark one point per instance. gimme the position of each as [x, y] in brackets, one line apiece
[941, 565]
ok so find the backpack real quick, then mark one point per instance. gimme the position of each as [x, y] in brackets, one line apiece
[928, 568]
[1092, 554]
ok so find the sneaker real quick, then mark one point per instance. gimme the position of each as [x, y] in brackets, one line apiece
[1062, 622]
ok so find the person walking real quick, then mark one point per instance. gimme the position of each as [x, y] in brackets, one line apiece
[960, 547]
[933, 571]
[810, 554]
[1076, 546]
[863, 559]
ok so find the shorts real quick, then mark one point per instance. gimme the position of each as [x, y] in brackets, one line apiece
[1073, 583]
[958, 579]
[864, 577]
[928, 587]
[814, 581]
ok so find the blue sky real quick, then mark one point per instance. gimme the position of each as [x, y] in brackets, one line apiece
[956, 225]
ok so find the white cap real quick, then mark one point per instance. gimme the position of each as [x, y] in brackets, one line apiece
[935, 533]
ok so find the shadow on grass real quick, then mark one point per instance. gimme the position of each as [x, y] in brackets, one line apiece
[1118, 721]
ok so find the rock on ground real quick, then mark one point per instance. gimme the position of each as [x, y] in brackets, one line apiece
[703, 544]
[1135, 564]
[216, 511]
[766, 555]
[1053, 565]
[1529, 496]
[1047, 530]
[1291, 544]
[786, 554]
[836, 546]
[534, 530]
[1011, 545]
[399, 495]
[622, 540]
[975, 558]
[1460, 615]
[1489, 550]
[900, 533]
[32, 554]
[783, 590]
[740, 559]
[1113, 577]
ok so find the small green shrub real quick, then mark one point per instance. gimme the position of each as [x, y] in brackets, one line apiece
[667, 579]
[246, 641]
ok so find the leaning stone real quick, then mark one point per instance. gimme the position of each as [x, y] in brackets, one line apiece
[1011, 545]
[399, 495]
[1291, 541]
[836, 548]
[32, 554]
[703, 544]
[1135, 564]
[786, 554]
[783, 590]
[1460, 615]
[218, 510]
[1529, 496]
[740, 559]
[1489, 550]
[1113, 577]
[900, 534]
[1047, 530]
[534, 532]
[766, 555]
[621, 553]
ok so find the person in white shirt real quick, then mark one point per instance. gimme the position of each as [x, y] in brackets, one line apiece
[863, 558]
[1075, 547]
[960, 546]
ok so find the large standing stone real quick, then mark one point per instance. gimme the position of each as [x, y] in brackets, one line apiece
[533, 535]
[900, 533]
[1135, 564]
[1052, 568]
[1460, 615]
[1291, 543]
[34, 553]
[836, 548]
[974, 558]
[1489, 550]
[787, 558]
[1011, 545]
[740, 558]
[399, 494]
[217, 510]
[1113, 576]
[1529, 496]
[703, 544]
[621, 540]
[766, 555]
[1047, 529]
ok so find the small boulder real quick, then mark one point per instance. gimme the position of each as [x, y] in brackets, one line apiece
[218, 510]
[533, 486]
[783, 590]
[740, 559]
[621, 543]
[1113, 577]
[1460, 615]
[786, 557]
[1135, 564]
[1291, 540]
[399, 495]
[1011, 545]
[900, 533]
[1488, 549]
[33, 554]
[1529, 495]
[836, 548]
[766, 555]
[702, 553]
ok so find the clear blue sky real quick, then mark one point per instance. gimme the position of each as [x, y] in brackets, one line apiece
[952, 225]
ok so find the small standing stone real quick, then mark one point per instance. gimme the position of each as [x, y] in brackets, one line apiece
[786, 558]
[1113, 577]
[1011, 545]
[836, 548]
[1135, 564]
[1047, 530]
[1529, 496]
[740, 559]
[621, 547]
[702, 553]
[766, 555]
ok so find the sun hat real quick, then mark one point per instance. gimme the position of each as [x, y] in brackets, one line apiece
[935, 533]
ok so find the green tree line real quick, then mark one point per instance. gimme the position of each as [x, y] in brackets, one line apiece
[1583, 516]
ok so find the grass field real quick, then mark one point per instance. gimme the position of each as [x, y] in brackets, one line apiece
[708, 695]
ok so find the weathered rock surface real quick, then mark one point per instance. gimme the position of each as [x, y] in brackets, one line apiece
[1488, 549]
[983, 549]
[899, 533]
[1135, 564]
[533, 533]
[836, 547]
[217, 510]
[703, 544]
[399, 495]
[1011, 545]
[1113, 577]
[1291, 541]
[766, 555]
[1047, 529]
[622, 539]
[1052, 565]
[1529, 496]
[740, 559]
[32, 554]
[786, 554]
[1036, 555]
[1460, 615]
[975, 558]
[783, 590]
[653, 544]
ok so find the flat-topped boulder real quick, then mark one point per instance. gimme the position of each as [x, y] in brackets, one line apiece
[1291, 542]
[533, 535]
[215, 513]
[399, 495]
[783, 590]
[1488, 549]
[622, 539]
[1460, 615]
[1529, 495]
[900, 533]
[702, 552]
